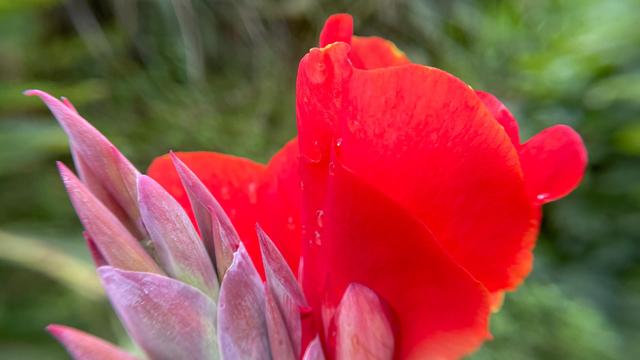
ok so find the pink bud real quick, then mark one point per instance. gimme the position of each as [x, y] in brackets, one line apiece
[181, 252]
[82, 346]
[118, 247]
[314, 350]
[113, 171]
[218, 234]
[362, 328]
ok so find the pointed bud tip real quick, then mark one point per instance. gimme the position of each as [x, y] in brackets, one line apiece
[65, 173]
[56, 330]
[105, 270]
[143, 183]
[33, 92]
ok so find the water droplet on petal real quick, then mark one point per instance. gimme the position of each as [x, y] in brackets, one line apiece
[317, 238]
[316, 69]
[353, 124]
[319, 215]
[253, 193]
[332, 168]
[542, 197]
[225, 193]
[290, 224]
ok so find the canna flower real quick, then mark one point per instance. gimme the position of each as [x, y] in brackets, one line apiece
[396, 221]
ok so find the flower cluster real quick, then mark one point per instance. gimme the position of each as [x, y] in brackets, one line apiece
[400, 215]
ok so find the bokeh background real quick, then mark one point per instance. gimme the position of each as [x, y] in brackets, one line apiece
[219, 75]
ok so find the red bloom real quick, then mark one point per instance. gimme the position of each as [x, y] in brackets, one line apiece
[403, 179]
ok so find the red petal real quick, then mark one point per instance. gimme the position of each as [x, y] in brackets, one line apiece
[423, 138]
[553, 162]
[366, 52]
[338, 27]
[279, 202]
[502, 115]
[374, 52]
[439, 310]
[249, 193]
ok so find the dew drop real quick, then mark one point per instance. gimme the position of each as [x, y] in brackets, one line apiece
[317, 238]
[542, 197]
[225, 193]
[338, 142]
[332, 168]
[290, 224]
[253, 193]
[319, 216]
[353, 124]
[316, 69]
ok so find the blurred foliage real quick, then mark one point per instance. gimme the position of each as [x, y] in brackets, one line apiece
[220, 75]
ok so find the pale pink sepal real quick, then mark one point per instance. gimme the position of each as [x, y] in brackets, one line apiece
[279, 339]
[242, 328]
[180, 250]
[314, 350]
[218, 233]
[96, 186]
[362, 327]
[117, 246]
[167, 318]
[284, 287]
[115, 172]
[97, 257]
[83, 346]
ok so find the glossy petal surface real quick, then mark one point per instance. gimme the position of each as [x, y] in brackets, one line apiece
[166, 318]
[425, 139]
[553, 162]
[338, 27]
[438, 309]
[502, 115]
[367, 52]
[83, 346]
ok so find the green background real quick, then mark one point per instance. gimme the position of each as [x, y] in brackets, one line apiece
[219, 75]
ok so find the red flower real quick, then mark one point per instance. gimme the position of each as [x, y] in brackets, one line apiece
[403, 179]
